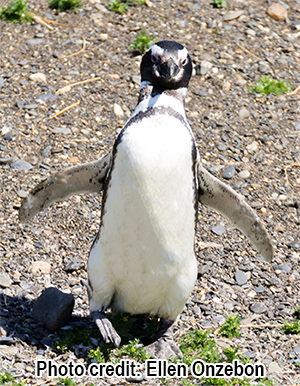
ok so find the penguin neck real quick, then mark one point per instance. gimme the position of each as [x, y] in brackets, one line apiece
[151, 96]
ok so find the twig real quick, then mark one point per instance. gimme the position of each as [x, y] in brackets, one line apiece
[40, 20]
[60, 24]
[245, 49]
[69, 86]
[75, 53]
[286, 173]
[297, 89]
[65, 109]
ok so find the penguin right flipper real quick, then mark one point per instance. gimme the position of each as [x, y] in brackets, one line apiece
[106, 328]
[86, 178]
[232, 205]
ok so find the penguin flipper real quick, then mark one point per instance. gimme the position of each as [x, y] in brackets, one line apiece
[232, 205]
[86, 178]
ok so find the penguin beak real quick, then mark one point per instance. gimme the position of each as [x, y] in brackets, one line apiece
[168, 69]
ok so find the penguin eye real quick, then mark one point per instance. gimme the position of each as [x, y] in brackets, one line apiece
[184, 61]
[154, 58]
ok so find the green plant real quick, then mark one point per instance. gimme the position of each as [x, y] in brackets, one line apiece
[231, 327]
[142, 42]
[133, 350]
[267, 85]
[118, 6]
[291, 328]
[66, 382]
[231, 353]
[219, 3]
[16, 12]
[9, 380]
[97, 355]
[77, 335]
[63, 5]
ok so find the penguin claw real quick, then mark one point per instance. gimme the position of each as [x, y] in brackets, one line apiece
[106, 328]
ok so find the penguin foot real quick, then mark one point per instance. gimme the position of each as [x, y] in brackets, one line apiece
[106, 328]
[164, 346]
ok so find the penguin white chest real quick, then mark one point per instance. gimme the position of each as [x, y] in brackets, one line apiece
[144, 256]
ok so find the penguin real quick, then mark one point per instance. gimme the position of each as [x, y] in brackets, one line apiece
[142, 260]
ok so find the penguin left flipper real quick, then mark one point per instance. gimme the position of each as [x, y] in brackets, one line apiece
[232, 205]
[86, 178]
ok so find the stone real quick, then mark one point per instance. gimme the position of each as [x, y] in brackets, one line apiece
[240, 277]
[44, 98]
[277, 11]
[274, 368]
[5, 280]
[258, 308]
[38, 77]
[284, 267]
[20, 164]
[205, 67]
[263, 67]
[1, 82]
[218, 229]
[252, 147]
[244, 174]
[196, 310]
[118, 111]
[231, 15]
[53, 308]
[61, 130]
[244, 113]
[41, 267]
[228, 172]
[35, 42]
[5, 161]
[136, 79]
[22, 193]
[294, 245]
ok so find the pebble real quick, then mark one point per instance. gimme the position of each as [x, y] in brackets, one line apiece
[5, 280]
[258, 308]
[5, 161]
[35, 42]
[284, 267]
[20, 164]
[294, 245]
[53, 308]
[22, 193]
[244, 174]
[196, 310]
[218, 229]
[61, 130]
[38, 77]
[244, 113]
[41, 267]
[274, 368]
[1, 82]
[136, 79]
[263, 67]
[252, 147]
[277, 11]
[48, 97]
[240, 277]
[228, 172]
[231, 15]
[118, 111]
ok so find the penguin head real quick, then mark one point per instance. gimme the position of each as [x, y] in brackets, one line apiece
[167, 65]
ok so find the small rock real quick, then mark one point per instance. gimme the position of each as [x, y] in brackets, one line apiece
[240, 277]
[274, 368]
[53, 308]
[44, 98]
[218, 229]
[5, 280]
[263, 67]
[196, 310]
[244, 174]
[118, 111]
[136, 79]
[38, 77]
[20, 164]
[284, 267]
[205, 67]
[35, 42]
[202, 269]
[31, 106]
[231, 15]
[263, 210]
[252, 147]
[259, 289]
[277, 12]
[294, 245]
[75, 265]
[61, 130]
[40, 267]
[22, 193]
[1, 82]
[9, 350]
[244, 113]
[228, 172]
[5, 161]
[258, 308]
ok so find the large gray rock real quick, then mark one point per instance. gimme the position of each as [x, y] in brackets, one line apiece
[53, 308]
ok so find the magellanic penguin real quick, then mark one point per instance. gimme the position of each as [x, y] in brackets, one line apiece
[142, 260]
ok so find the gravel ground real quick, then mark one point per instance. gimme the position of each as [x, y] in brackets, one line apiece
[252, 141]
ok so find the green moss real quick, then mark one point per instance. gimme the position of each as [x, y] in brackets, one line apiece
[142, 42]
[267, 85]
